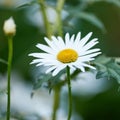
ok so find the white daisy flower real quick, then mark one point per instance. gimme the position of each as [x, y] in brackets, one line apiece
[73, 52]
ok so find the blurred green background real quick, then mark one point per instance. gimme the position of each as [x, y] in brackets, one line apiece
[103, 21]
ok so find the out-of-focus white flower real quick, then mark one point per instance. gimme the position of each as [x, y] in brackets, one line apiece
[9, 27]
[73, 52]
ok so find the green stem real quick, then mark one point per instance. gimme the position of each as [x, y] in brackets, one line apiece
[10, 54]
[69, 93]
[59, 8]
[56, 102]
[45, 19]
[58, 25]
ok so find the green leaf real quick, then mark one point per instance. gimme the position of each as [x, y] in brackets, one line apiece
[3, 61]
[115, 2]
[54, 80]
[117, 59]
[27, 4]
[48, 79]
[101, 60]
[101, 74]
[42, 79]
[107, 67]
[92, 19]
[3, 91]
[114, 70]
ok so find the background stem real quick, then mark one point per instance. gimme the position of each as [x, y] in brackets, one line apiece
[45, 18]
[10, 54]
[56, 102]
[69, 93]
[59, 8]
[58, 25]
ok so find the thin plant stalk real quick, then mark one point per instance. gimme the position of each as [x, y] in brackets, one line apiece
[59, 26]
[69, 94]
[56, 101]
[10, 54]
[45, 18]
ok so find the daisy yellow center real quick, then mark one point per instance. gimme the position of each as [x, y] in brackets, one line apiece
[67, 56]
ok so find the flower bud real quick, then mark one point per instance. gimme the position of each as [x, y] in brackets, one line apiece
[9, 27]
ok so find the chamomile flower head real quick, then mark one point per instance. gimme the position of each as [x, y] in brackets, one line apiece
[73, 51]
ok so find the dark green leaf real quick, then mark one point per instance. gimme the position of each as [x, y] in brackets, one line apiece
[115, 2]
[27, 4]
[47, 79]
[114, 70]
[54, 80]
[107, 67]
[3, 91]
[101, 74]
[3, 61]
[101, 60]
[93, 19]
[42, 79]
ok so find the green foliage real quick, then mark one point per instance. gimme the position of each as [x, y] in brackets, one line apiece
[3, 61]
[42, 79]
[3, 91]
[107, 67]
[115, 2]
[79, 13]
[48, 80]
[93, 19]
[30, 3]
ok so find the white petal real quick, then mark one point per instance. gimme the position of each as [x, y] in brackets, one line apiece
[50, 63]
[71, 42]
[90, 44]
[91, 51]
[50, 69]
[85, 39]
[45, 48]
[61, 42]
[35, 61]
[80, 67]
[86, 65]
[67, 38]
[50, 43]
[72, 38]
[40, 64]
[58, 69]
[91, 55]
[78, 37]
[87, 57]
[42, 55]
[71, 66]
[58, 43]
[83, 59]
[54, 39]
